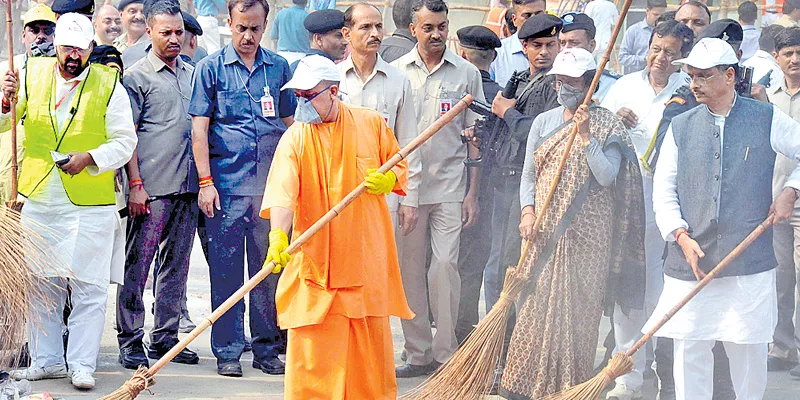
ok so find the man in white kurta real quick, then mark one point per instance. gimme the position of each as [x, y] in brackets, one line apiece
[71, 205]
[712, 187]
[639, 99]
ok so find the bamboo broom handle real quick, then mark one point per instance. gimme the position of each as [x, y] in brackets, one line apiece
[586, 100]
[311, 231]
[14, 161]
[736, 252]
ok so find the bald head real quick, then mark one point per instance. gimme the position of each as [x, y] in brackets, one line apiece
[363, 28]
[107, 24]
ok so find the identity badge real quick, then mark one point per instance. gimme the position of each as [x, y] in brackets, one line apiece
[267, 104]
[445, 105]
[385, 116]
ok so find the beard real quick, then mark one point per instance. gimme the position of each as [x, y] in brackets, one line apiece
[73, 66]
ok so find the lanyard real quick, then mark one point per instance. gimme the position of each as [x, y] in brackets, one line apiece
[266, 83]
[74, 85]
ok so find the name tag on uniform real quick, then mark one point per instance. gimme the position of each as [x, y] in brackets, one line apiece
[267, 104]
[445, 105]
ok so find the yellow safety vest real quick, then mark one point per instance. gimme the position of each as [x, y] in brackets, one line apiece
[84, 129]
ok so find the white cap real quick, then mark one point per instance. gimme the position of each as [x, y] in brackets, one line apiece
[311, 70]
[73, 29]
[573, 62]
[709, 52]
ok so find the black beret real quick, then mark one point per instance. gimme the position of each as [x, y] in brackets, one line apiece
[125, 3]
[540, 26]
[725, 29]
[73, 6]
[478, 37]
[324, 21]
[191, 25]
[106, 55]
[574, 21]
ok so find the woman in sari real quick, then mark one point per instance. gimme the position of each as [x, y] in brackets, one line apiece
[591, 233]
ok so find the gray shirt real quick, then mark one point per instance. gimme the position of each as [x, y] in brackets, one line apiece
[160, 103]
[634, 47]
[604, 164]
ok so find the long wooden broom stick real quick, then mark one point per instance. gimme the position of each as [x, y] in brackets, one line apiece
[622, 363]
[143, 378]
[12, 203]
[469, 372]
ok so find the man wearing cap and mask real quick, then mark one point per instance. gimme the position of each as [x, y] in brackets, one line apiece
[74, 198]
[439, 78]
[509, 137]
[338, 291]
[107, 25]
[38, 26]
[477, 45]
[638, 99]
[325, 33]
[132, 14]
[712, 187]
[369, 81]
[239, 112]
[579, 31]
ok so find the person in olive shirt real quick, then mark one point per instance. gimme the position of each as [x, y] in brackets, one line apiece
[477, 45]
[534, 95]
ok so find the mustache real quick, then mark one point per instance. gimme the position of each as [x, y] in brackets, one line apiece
[137, 21]
[114, 30]
[374, 41]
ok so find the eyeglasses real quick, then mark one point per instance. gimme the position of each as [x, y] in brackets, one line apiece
[310, 96]
[703, 80]
[47, 30]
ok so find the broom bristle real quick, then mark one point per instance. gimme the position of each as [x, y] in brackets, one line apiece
[469, 373]
[592, 389]
[140, 381]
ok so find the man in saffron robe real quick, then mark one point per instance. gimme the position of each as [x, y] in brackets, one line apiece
[340, 288]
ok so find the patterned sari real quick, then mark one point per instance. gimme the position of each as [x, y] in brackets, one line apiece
[590, 235]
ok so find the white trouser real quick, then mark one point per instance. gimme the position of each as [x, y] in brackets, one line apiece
[210, 40]
[694, 369]
[86, 322]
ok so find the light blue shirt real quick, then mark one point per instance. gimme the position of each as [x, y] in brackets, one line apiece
[209, 7]
[510, 58]
[316, 5]
[633, 52]
[289, 31]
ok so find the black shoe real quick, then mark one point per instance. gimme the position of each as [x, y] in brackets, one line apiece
[271, 365]
[230, 368]
[412, 371]
[779, 364]
[186, 356]
[795, 372]
[132, 357]
[186, 324]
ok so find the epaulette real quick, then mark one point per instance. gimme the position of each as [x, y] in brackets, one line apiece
[677, 99]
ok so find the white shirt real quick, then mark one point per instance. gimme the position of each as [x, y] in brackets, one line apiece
[763, 62]
[604, 14]
[749, 44]
[784, 138]
[510, 58]
[388, 91]
[634, 91]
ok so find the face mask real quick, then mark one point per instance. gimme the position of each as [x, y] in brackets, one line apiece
[305, 112]
[569, 97]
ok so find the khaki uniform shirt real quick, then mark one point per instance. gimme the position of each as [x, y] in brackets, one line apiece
[121, 42]
[444, 177]
[789, 104]
[785, 22]
[388, 91]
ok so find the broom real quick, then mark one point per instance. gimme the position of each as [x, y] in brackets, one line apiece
[469, 373]
[143, 378]
[622, 363]
[12, 203]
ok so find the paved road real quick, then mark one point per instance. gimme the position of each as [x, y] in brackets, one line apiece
[201, 381]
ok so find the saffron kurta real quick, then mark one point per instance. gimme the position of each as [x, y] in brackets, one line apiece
[350, 267]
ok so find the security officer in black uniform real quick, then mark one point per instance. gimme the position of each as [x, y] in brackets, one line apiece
[506, 144]
[325, 30]
[477, 45]
[684, 100]
[85, 7]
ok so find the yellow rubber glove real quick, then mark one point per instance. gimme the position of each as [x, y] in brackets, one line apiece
[278, 243]
[379, 183]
